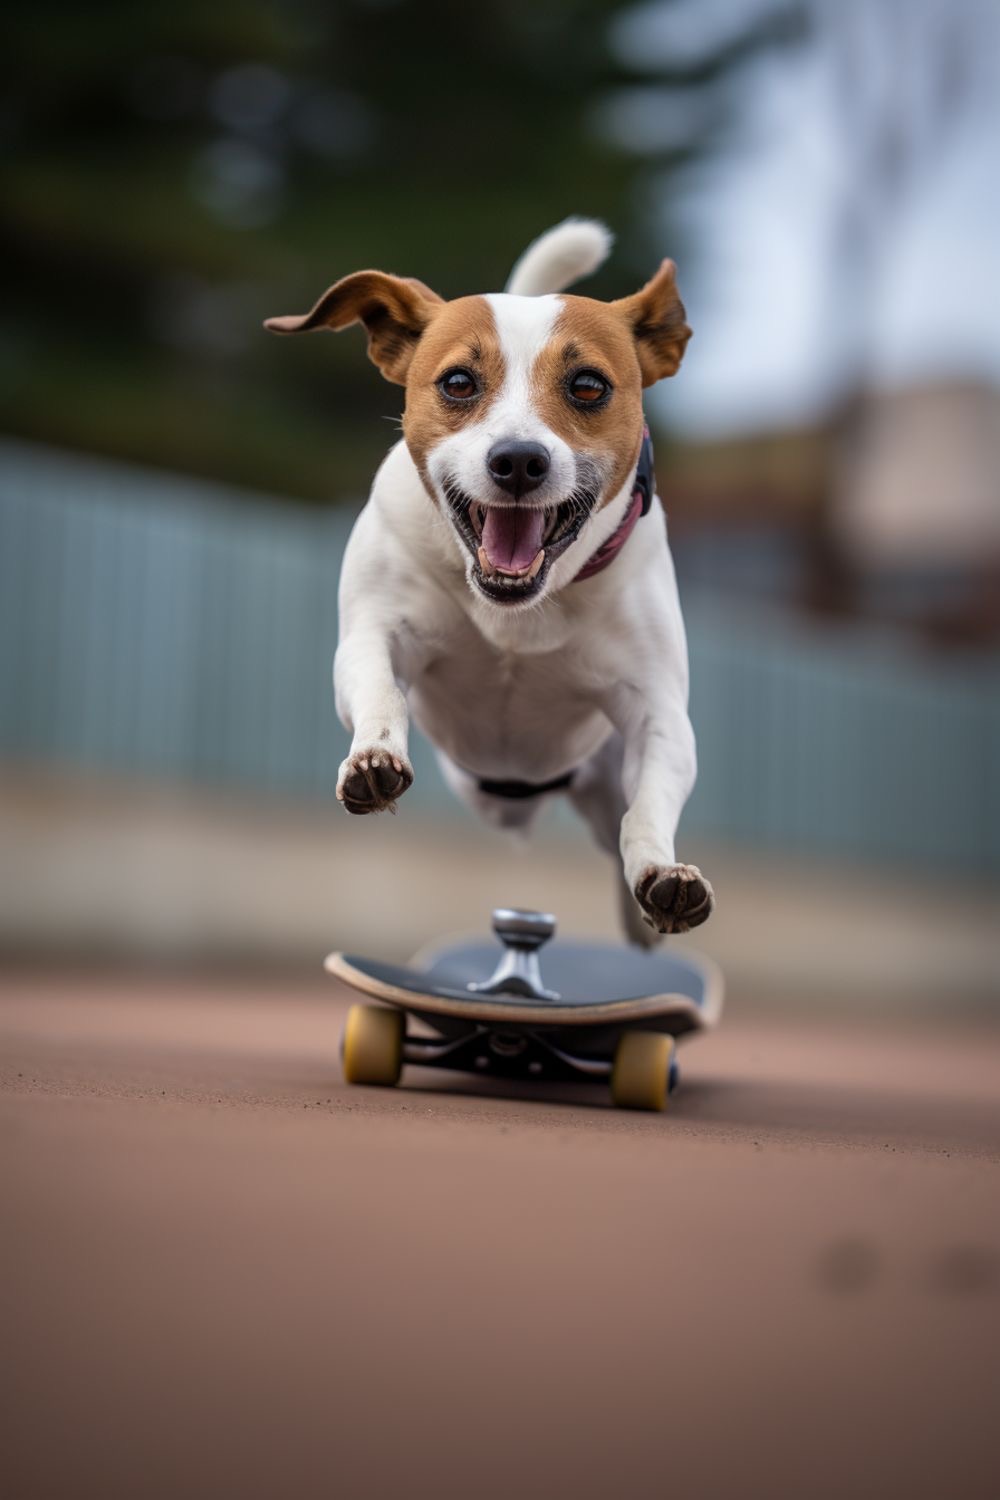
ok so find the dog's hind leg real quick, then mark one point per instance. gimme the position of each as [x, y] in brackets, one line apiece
[598, 796]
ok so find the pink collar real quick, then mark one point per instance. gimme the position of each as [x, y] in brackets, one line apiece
[609, 550]
[642, 499]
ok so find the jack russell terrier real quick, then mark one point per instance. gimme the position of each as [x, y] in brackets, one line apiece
[505, 584]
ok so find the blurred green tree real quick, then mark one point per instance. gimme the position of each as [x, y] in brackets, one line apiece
[176, 172]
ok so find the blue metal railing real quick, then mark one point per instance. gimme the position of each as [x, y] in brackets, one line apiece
[155, 624]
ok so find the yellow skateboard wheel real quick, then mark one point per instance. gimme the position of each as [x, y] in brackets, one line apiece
[373, 1045]
[640, 1074]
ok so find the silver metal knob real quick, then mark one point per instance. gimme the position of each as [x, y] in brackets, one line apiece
[523, 929]
[522, 934]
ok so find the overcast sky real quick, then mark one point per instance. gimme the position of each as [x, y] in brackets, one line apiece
[846, 225]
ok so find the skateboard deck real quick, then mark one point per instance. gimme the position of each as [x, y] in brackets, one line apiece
[485, 1009]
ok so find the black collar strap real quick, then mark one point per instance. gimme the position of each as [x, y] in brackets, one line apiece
[518, 791]
[645, 474]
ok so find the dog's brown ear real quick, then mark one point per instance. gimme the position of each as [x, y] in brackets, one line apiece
[657, 320]
[394, 309]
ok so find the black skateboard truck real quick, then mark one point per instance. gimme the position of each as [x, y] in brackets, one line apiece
[523, 934]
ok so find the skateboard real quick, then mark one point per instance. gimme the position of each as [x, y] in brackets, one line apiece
[603, 1011]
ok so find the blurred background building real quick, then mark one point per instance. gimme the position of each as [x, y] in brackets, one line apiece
[177, 488]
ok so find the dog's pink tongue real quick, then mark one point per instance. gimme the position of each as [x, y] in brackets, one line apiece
[512, 536]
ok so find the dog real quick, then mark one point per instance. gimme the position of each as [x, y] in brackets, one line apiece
[509, 584]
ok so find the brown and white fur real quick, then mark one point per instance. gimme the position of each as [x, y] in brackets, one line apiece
[458, 603]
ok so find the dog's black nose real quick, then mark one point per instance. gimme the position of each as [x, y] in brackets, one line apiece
[518, 467]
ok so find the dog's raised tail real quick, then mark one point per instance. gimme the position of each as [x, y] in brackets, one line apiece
[560, 256]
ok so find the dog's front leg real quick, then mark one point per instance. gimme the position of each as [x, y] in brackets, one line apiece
[372, 705]
[658, 774]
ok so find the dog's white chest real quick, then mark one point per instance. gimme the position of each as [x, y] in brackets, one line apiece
[505, 716]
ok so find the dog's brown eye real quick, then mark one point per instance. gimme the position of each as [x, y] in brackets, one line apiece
[458, 385]
[587, 388]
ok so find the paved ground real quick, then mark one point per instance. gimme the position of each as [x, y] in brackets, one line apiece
[226, 1274]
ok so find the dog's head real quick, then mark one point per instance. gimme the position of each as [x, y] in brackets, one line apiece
[523, 414]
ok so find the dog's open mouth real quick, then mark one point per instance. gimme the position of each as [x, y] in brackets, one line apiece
[515, 545]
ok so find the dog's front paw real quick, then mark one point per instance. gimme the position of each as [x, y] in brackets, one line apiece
[674, 898]
[372, 780]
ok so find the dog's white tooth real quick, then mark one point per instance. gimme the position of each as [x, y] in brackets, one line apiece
[485, 564]
[539, 559]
